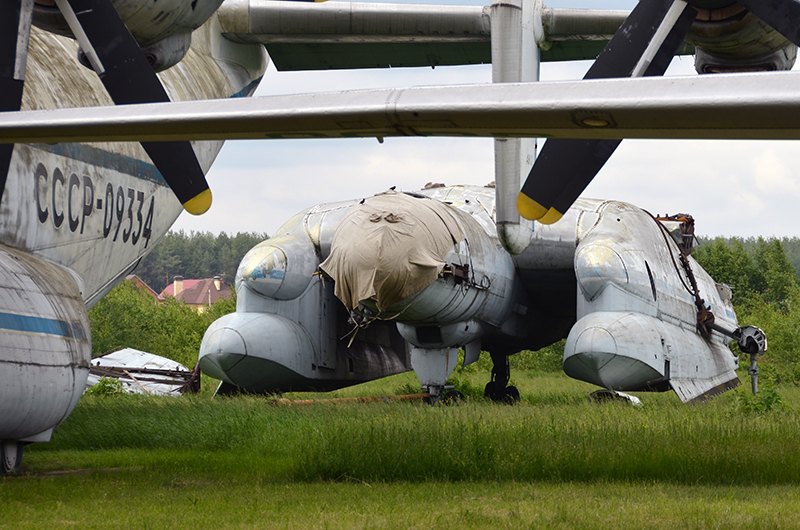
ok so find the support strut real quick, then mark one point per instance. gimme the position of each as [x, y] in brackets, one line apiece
[497, 389]
[751, 340]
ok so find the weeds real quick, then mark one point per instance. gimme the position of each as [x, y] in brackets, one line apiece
[106, 386]
[766, 400]
[466, 385]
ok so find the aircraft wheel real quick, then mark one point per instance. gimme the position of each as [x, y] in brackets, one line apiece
[508, 395]
[453, 397]
[493, 391]
[10, 456]
[512, 395]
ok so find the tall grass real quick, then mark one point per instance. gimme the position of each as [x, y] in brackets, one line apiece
[554, 435]
[558, 443]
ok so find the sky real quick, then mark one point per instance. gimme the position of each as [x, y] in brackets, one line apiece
[732, 188]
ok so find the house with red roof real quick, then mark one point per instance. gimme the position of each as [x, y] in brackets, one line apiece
[142, 286]
[197, 294]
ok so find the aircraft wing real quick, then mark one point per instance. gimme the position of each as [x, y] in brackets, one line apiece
[733, 106]
[333, 35]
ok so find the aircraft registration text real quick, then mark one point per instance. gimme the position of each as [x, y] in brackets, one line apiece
[70, 201]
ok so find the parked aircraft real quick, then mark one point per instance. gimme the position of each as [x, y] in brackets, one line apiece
[76, 217]
[419, 275]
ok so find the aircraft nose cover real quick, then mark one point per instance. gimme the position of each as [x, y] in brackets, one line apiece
[390, 247]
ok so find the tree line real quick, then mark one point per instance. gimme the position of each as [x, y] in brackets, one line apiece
[196, 255]
[751, 245]
[766, 293]
[203, 255]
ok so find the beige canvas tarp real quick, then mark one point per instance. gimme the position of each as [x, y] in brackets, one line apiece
[389, 247]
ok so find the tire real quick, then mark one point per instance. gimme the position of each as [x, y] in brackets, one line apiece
[493, 392]
[512, 395]
[10, 456]
[453, 397]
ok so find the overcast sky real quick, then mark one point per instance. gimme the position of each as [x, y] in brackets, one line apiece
[744, 188]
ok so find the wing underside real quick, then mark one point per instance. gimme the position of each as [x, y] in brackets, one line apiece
[334, 35]
[754, 106]
[735, 106]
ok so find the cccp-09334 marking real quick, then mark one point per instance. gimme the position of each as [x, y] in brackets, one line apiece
[123, 207]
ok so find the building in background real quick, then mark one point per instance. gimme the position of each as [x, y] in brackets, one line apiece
[197, 294]
[142, 286]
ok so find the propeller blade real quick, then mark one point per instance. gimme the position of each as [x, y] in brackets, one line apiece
[15, 30]
[783, 15]
[643, 46]
[127, 76]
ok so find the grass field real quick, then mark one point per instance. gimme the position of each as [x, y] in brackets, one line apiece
[553, 460]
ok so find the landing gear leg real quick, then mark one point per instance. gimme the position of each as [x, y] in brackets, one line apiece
[497, 389]
[433, 366]
[753, 371]
[751, 340]
[10, 456]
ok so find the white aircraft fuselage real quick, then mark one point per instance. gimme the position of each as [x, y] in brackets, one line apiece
[76, 218]
[608, 277]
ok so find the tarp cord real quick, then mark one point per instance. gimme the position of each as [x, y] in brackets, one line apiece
[704, 315]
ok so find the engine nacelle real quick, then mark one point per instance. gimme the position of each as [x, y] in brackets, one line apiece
[163, 29]
[631, 351]
[731, 39]
[416, 260]
[257, 351]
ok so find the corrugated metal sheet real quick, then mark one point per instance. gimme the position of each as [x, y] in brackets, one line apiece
[141, 372]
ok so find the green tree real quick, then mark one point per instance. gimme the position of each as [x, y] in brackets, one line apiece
[752, 267]
[195, 255]
[791, 246]
[128, 317]
[728, 263]
[775, 278]
[766, 294]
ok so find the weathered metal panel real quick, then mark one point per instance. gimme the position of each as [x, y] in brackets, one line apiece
[75, 218]
[45, 345]
[637, 315]
[98, 208]
[140, 372]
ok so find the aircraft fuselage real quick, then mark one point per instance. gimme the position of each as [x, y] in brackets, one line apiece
[76, 218]
[606, 277]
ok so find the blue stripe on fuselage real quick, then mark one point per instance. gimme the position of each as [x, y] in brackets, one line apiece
[249, 89]
[106, 159]
[48, 326]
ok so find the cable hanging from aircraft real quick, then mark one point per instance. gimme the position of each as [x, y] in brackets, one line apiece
[750, 339]
[684, 238]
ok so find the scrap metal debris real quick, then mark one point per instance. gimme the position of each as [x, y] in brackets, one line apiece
[144, 373]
